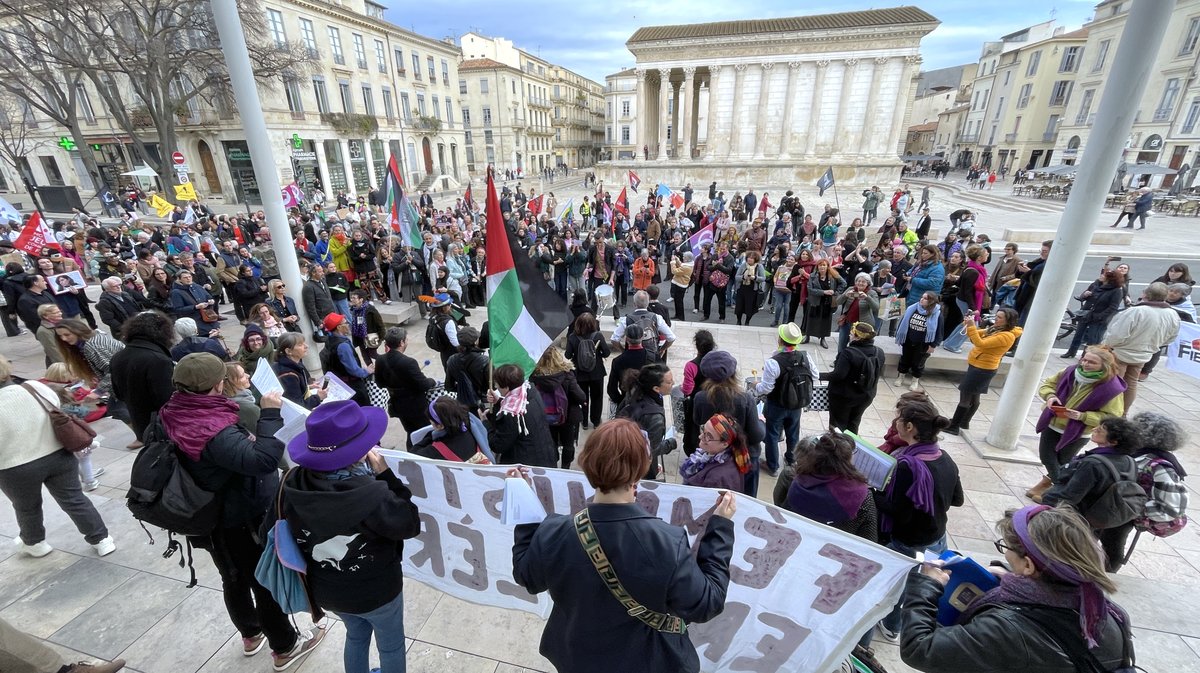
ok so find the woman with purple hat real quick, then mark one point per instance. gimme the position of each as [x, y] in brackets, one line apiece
[1050, 612]
[350, 515]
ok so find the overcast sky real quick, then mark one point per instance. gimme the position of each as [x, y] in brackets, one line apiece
[589, 37]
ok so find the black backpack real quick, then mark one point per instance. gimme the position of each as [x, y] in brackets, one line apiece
[649, 324]
[163, 494]
[435, 333]
[585, 354]
[794, 384]
[1121, 502]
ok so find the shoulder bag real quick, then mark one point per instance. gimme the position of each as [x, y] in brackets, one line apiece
[595, 553]
[73, 433]
[282, 568]
[478, 459]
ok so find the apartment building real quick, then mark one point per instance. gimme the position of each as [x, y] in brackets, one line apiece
[376, 90]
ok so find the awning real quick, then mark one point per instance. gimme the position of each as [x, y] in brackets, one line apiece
[1150, 169]
[143, 172]
[918, 157]
[1061, 169]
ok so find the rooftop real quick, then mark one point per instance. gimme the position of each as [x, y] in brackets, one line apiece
[920, 128]
[864, 19]
[480, 64]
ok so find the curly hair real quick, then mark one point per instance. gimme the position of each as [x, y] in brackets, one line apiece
[830, 454]
[1159, 431]
[1123, 434]
[153, 326]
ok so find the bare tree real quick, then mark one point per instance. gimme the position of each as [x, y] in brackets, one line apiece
[156, 64]
[15, 140]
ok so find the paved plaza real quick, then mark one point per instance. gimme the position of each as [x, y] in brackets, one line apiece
[134, 604]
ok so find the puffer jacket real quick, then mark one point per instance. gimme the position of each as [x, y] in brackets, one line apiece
[242, 468]
[997, 639]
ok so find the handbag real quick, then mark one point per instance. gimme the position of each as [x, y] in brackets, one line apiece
[73, 433]
[820, 398]
[281, 568]
[718, 279]
[478, 459]
[591, 547]
[209, 315]
[378, 395]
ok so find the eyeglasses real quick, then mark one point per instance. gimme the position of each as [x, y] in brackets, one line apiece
[1003, 547]
[708, 437]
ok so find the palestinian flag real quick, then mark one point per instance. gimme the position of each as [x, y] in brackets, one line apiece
[524, 313]
[535, 206]
[401, 216]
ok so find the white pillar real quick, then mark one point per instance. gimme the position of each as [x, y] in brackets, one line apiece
[687, 117]
[676, 118]
[664, 111]
[867, 140]
[371, 178]
[1132, 66]
[710, 140]
[849, 70]
[344, 146]
[789, 104]
[907, 91]
[262, 155]
[641, 124]
[760, 121]
[322, 165]
[814, 119]
[735, 128]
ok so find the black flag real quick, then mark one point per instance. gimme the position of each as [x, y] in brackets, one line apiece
[826, 181]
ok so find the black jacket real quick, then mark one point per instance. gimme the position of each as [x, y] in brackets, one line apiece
[27, 307]
[630, 358]
[295, 379]
[141, 378]
[997, 638]
[576, 398]
[1103, 303]
[467, 375]
[406, 384]
[352, 534]
[910, 525]
[651, 416]
[115, 309]
[588, 630]
[525, 440]
[243, 469]
[851, 377]
[1085, 479]
[13, 287]
[603, 350]
[198, 344]
[317, 301]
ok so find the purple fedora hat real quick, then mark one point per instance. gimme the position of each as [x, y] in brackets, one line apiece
[337, 434]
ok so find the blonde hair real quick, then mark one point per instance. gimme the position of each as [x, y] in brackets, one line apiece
[1106, 358]
[59, 372]
[228, 385]
[1062, 535]
[552, 362]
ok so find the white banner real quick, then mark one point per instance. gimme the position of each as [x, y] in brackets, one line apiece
[1183, 354]
[800, 594]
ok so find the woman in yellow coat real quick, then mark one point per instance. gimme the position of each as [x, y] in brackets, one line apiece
[982, 362]
[339, 247]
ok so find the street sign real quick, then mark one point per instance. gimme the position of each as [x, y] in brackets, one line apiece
[297, 141]
[182, 176]
[304, 156]
[177, 159]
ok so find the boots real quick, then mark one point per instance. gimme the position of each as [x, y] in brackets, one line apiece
[916, 384]
[956, 422]
[900, 381]
[1035, 493]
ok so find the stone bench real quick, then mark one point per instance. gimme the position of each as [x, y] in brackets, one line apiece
[941, 360]
[1104, 237]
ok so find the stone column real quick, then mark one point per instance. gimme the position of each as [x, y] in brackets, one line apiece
[849, 69]
[789, 103]
[641, 124]
[676, 118]
[322, 165]
[760, 122]
[739, 75]
[710, 142]
[664, 111]
[814, 122]
[908, 85]
[867, 141]
[371, 179]
[345, 147]
[687, 118]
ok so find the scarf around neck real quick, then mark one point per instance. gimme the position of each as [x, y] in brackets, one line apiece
[920, 492]
[515, 404]
[191, 420]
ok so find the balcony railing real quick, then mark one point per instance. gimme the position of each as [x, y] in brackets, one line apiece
[539, 102]
[968, 137]
[1162, 115]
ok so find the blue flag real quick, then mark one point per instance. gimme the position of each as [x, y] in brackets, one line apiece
[662, 190]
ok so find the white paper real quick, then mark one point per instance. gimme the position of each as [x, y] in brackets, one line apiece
[264, 379]
[294, 417]
[874, 464]
[290, 410]
[520, 504]
[670, 433]
[337, 389]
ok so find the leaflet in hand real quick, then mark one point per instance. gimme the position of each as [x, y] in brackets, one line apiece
[337, 389]
[520, 503]
[875, 465]
[294, 417]
[264, 379]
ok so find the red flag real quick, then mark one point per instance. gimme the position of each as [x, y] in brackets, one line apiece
[622, 204]
[35, 235]
[535, 206]
[634, 181]
[677, 200]
[237, 235]
[467, 196]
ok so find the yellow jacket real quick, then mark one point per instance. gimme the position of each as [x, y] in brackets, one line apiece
[341, 256]
[989, 348]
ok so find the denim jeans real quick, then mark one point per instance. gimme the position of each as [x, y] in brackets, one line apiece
[959, 335]
[892, 621]
[781, 305]
[387, 623]
[785, 422]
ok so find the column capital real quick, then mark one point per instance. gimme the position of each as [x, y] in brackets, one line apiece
[766, 66]
[739, 67]
[640, 74]
[822, 63]
[882, 60]
[689, 71]
[664, 74]
[913, 59]
[851, 62]
[795, 65]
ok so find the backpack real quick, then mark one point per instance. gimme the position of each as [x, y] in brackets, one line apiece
[1121, 502]
[435, 334]
[585, 354]
[648, 321]
[162, 493]
[554, 402]
[794, 384]
[1166, 499]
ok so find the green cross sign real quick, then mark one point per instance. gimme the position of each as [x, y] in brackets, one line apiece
[297, 141]
[66, 143]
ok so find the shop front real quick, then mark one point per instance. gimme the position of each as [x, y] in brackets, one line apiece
[241, 170]
[304, 158]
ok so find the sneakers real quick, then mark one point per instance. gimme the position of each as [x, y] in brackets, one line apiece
[97, 473]
[111, 667]
[889, 635]
[35, 550]
[952, 350]
[303, 648]
[252, 646]
[105, 546]
[91, 485]
[915, 386]
[899, 381]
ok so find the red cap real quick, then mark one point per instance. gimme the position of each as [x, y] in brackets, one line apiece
[332, 321]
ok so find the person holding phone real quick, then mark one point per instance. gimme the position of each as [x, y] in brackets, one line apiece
[982, 362]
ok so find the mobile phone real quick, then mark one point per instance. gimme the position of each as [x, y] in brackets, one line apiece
[1114, 258]
[325, 384]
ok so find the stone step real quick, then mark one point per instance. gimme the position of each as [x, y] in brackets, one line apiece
[990, 198]
[1099, 237]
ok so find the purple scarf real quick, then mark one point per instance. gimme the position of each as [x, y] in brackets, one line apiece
[920, 492]
[191, 420]
[829, 499]
[1097, 397]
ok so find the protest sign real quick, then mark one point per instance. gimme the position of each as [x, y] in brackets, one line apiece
[1183, 354]
[800, 593]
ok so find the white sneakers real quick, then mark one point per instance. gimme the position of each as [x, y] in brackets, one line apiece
[35, 550]
[916, 385]
[105, 546]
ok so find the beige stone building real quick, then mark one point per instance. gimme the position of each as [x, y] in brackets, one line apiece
[524, 112]
[1165, 129]
[787, 98]
[377, 90]
[921, 139]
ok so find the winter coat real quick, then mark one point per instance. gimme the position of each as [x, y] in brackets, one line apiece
[523, 440]
[718, 475]
[115, 309]
[603, 350]
[745, 412]
[925, 278]
[1137, 333]
[850, 367]
[141, 378]
[242, 468]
